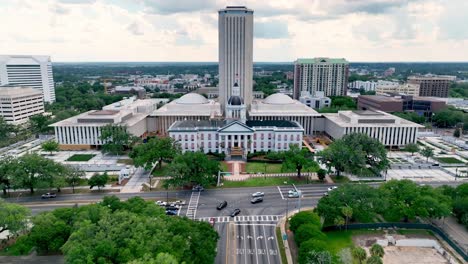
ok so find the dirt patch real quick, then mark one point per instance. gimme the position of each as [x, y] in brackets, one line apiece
[412, 255]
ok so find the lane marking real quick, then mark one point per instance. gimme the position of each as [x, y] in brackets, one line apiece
[281, 193]
[266, 244]
[255, 243]
[245, 245]
[255, 224]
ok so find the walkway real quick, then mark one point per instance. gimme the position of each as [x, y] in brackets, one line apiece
[136, 181]
[455, 230]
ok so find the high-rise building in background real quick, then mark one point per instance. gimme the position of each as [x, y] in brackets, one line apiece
[28, 71]
[235, 31]
[17, 104]
[432, 85]
[320, 74]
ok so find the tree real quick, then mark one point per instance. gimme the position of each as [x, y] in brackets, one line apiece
[73, 177]
[448, 117]
[412, 148]
[49, 232]
[297, 158]
[50, 146]
[337, 155]
[359, 253]
[39, 124]
[5, 129]
[161, 258]
[33, 171]
[339, 221]
[321, 174]
[456, 132]
[98, 180]
[348, 213]
[155, 150]
[13, 217]
[116, 139]
[303, 218]
[7, 167]
[311, 247]
[377, 250]
[374, 260]
[306, 232]
[192, 168]
[427, 152]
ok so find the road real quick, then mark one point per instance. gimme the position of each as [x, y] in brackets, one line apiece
[246, 238]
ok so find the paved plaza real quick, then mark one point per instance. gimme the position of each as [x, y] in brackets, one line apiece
[421, 175]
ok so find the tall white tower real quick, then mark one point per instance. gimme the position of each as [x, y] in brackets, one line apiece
[235, 29]
[28, 71]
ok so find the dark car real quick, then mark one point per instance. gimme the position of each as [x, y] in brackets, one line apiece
[48, 195]
[198, 188]
[235, 212]
[172, 208]
[256, 200]
[171, 212]
[221, 205]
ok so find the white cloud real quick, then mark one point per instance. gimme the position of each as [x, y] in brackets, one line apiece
[186, 30]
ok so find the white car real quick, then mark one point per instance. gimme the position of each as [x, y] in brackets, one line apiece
[161, 203]
[332, 188]
[180, 202]
[293, 194]
[258, 194]
[292, 191]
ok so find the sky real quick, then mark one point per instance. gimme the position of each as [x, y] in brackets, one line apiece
[284, 30]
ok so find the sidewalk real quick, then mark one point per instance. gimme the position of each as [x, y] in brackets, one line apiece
[455, 230]
[135, 183]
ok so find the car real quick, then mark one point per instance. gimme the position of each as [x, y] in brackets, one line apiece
[198, 188]
[258, 194]
[171, 208]
[48, 195]
[292, 191]
[180, 202]
[222, 205]
[326, 194]
[293, 195]
[235, 212]
[256, 200]
[332, 188]
[161, 203]
[169, 212]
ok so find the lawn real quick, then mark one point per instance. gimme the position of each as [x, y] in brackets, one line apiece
[282, 250]
[224, 166]
[448, 160]
[254, 167]
[260, 181]
[81, 157]
[338, 240]
[125, 161]
[161, 172]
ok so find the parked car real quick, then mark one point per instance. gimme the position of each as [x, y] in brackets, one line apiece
[293, 194]
[198, 188]
[169, 212]
[332, 188]
[257, 200]
[235, 212]
[222, 205]
[180, 202]
[161, 203]
[258, 194]
[48, 195]
[171, 208]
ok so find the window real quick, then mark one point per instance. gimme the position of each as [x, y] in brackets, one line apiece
[209, 136]
[209, 144]
[298, 138]
[291, 137]
[202, 136]
[262, 144]
[186, 137]
[193, 138]
[285, 145]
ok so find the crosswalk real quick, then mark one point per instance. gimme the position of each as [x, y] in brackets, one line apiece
[306, 191]
[243, 218]
[193, 204]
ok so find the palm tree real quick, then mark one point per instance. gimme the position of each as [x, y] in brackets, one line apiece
[360, 254]
[377, 250]
[348, 213]
[339, 221]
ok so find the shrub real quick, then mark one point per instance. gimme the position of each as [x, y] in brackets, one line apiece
[304, 217]
[377, 250]
[311, 246]
[306, 232]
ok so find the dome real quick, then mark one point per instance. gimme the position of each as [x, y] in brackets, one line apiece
[235, 100]
[278, 99]
[192, 98]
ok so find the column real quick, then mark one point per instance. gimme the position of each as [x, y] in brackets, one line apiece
[226, 143]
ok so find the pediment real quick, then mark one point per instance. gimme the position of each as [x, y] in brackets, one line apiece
[235, 127]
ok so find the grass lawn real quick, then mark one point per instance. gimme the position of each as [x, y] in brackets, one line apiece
[224, 166]
[448, 160]
[282, 250]
[125, 161]
[81, 157]
[255, 167]
[21, 247]
[338, 240]
[260, 181]
[161, 172]
[341, 179]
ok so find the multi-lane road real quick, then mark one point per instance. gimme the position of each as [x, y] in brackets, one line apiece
[247, 238]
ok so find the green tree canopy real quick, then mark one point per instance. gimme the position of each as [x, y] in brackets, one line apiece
[98, 180]
[192, 168]
[40, 124]
[298, 159]
[50, 146]
[359, 253]
[374, 260]
[116, 139]
[427, 152]
[306, 232]
[155, 150]
[302, 218]
[13, 217]
[411, 148]
[377, 250]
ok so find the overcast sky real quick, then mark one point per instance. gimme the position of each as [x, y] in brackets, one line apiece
[186, 30]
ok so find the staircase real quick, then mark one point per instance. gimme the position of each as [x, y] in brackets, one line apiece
[237, 151]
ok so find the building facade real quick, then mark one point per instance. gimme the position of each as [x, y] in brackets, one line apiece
[318, 101]
[320, 75]
[235, 32]
[390, 130]
[17, 104]
[432, 85]
[407, 89]
[236, 138]
[28, 71]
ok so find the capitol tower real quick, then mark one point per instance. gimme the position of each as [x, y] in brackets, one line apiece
[235, 30]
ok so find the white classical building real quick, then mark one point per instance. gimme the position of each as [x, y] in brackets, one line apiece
[390, 130]
[17, 104]
[236, 138]
[317, 101]
[28, 71]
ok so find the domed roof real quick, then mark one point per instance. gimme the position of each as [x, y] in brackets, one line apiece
[235, 100]
[278, 99]
[192, 98]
